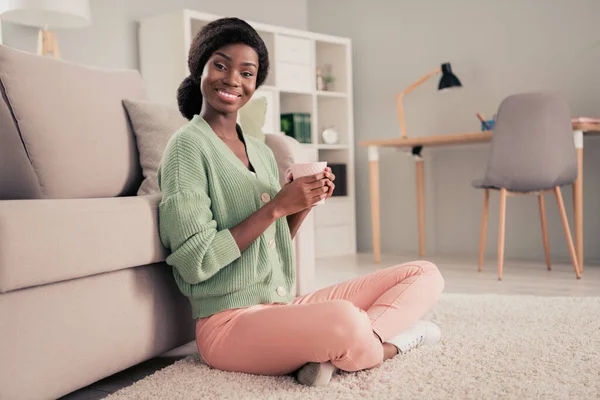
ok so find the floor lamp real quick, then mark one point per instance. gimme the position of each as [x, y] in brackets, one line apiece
[46, 15]
[448, 80]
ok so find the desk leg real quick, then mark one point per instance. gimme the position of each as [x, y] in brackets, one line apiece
[578, 200]
[375, 217]
[421, 204]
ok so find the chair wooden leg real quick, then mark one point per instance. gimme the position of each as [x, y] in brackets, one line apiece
[545, 230]
[501, 230]
[486, 203]
[565, 222]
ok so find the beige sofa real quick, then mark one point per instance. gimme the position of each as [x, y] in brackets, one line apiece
[84, 290]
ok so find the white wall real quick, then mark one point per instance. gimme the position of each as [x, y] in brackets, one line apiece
[496, 48]
[111, 40]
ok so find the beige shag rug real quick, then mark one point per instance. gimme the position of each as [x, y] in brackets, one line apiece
[516, 347]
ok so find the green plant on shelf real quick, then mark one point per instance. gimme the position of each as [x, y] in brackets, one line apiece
[328, 78]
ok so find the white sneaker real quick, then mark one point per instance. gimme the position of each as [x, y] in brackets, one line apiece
[422, 333]
[316, 374]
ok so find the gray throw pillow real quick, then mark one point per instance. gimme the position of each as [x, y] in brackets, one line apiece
[153, 125]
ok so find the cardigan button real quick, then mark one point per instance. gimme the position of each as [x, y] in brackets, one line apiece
[265, 197]
[281, 291]
[271, 243]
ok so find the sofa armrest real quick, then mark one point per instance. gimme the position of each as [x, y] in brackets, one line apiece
[288, 151]
[47, 241]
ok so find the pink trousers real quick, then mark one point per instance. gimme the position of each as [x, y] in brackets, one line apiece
[333, 324]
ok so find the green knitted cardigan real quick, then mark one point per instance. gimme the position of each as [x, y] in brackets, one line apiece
[206, 191]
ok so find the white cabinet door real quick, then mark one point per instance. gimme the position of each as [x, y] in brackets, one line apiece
[293, 50]
[294, 77]
[334, 241]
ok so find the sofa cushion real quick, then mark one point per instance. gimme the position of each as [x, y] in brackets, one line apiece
[153, 125]
[17, 178]
[47, 241]
[71, 124]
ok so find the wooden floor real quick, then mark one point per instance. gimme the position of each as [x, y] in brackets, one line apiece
[460, 276]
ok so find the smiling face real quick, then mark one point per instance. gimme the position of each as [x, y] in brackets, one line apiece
[229, 78]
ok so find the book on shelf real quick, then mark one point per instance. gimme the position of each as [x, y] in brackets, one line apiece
[307, 133]
[297, 125]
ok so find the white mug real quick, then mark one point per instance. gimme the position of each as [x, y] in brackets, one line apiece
[305, 169]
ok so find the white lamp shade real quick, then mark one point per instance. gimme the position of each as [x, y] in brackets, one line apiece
[46, 13]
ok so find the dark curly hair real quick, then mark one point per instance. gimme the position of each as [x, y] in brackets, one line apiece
[213, 36]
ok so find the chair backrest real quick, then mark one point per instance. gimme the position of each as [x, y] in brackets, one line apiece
[532, 144]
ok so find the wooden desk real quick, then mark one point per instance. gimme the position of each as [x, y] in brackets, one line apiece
[580, 126]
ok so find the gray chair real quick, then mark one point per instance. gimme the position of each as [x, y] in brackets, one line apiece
[532, 152]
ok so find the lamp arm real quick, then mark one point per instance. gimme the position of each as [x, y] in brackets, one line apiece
[409, 89]
[420, 81]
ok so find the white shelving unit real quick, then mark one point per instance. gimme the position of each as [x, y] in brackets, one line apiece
[294, 56]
